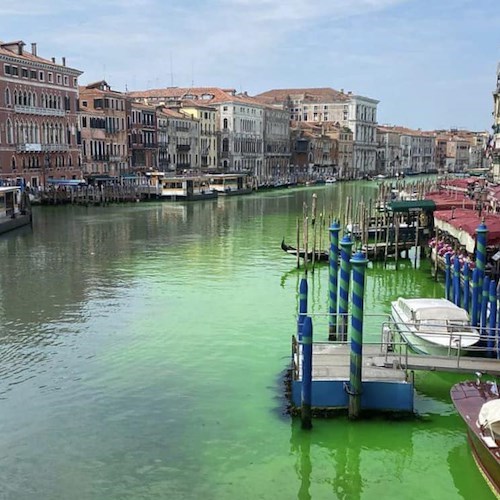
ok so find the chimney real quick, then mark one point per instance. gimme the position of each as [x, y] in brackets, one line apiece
[33, 49]
[64, 61]
[20, 46]
[54, 60]
[341, 91]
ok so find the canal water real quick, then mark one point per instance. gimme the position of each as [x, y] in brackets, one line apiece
[142, 354]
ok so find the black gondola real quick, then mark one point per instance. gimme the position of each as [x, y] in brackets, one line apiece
[319, 255]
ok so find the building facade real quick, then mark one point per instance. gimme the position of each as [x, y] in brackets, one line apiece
[326, 105]
[103, 126]
[206, 117]
[142, 140]
[38, 116]
[276, 141]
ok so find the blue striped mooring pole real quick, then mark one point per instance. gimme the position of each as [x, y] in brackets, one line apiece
[333, 285]
[306, 393]
[484, 304]
[359, 263]
[345, 272]
[456, 281]
[482, 237]
[302, 307]
[492, 320]
[466, 273]
[447, 276]
[475, 297]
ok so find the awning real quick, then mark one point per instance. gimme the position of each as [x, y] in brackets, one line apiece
[462, 225]
[412, 206]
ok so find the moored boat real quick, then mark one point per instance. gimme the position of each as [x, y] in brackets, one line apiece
[319, 255]
[434, 326]
[15, 209]
[478, 404]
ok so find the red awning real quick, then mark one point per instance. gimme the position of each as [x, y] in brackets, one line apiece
[462, 224]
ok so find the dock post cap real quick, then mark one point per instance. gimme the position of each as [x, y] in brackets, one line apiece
[359, 258]
[335, 226]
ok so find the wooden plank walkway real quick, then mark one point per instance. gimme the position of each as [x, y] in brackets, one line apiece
[463, 364]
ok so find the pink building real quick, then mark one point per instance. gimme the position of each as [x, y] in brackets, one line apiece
[38, 116]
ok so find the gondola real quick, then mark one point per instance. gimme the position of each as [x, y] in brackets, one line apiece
[319, 255]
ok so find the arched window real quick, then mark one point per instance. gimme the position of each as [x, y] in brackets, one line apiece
[225, 122]
[15, 96]
[7, 97]
[13, 163]
[225, 145]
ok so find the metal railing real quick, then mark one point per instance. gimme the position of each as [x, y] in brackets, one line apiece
[35, 110]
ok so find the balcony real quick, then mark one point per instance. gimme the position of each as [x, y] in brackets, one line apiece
[182, 128]
[28, 147]
[100, 157]
[183, 147]
[33, 110]
[115, 158]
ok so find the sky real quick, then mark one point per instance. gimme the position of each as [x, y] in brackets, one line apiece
[431, 63]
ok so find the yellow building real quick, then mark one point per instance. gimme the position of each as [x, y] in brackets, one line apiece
[206, 115]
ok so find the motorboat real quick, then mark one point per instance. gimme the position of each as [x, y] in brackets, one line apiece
[331, 180]
[434, 326]
[478, 404]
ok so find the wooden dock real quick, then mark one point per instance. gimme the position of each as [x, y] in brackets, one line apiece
[331, 361]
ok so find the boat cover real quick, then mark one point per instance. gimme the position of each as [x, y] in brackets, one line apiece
[489, 417]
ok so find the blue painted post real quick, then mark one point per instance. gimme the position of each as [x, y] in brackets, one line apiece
[482, 236]
[345, 271]
[306, 393]
[484, 304]
[359, 263]
[456, 280]
[466, 274]
[492, 322]
[475, 297]
[333, 285]
[447, 276]
[302, 307]
[497, 333]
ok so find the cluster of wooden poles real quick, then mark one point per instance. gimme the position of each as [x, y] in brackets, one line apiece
[361, 221]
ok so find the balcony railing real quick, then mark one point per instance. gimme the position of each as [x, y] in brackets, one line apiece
[33, 110]
[28, 147]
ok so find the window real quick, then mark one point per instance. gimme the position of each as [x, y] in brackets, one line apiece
[59, 79]
[14, 71]
[66, 81]
[7, 69]
[33, 74]
[75, 82]
[7, 97]
[24, 73]
[50, 77]
[41, 76]
[84, 104]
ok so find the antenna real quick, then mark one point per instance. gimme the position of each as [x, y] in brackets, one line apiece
[171, 71]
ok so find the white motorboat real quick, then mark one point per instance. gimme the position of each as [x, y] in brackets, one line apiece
[434, 326]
